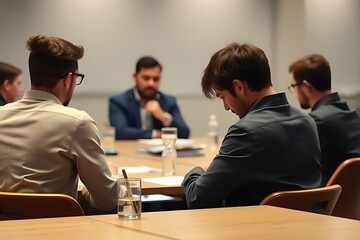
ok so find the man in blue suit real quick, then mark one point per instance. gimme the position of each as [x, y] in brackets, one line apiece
[141, 112]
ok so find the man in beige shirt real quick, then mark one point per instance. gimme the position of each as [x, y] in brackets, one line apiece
[45, 146]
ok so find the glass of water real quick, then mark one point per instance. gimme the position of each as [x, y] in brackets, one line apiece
[169, 136]
[129, 202]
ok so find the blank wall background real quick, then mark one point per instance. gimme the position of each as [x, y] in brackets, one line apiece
[333, 29]
[115, 33]
[183, 34]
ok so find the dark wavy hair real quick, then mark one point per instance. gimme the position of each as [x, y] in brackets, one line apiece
[243, 62]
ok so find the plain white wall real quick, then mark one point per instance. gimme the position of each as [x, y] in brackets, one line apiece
[116, 32]
[289, 34]
[333, 29]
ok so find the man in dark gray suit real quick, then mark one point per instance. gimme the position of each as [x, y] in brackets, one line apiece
[272, 147]
[338, 126]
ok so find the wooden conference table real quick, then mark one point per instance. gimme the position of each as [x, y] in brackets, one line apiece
[129, 157]
[255, 222]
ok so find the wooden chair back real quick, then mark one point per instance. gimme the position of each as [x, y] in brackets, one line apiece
[318, 200]
[347, 175]
[14, 205]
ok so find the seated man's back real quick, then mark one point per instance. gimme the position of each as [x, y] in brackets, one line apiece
[339, 132]
[272, 147]
[44, 145]
[338, 126]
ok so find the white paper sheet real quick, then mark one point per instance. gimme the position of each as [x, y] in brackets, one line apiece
[158, 141]
[138, 169]
[166, 181]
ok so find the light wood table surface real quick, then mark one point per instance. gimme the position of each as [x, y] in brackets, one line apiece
[129, 157]
[148, 187]
[79, 228]
[255, 223]
[128, 148]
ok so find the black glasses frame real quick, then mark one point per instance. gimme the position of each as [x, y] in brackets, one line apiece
[292, 86]
[82, 76]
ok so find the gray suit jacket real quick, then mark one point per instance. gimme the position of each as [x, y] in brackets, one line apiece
[339, 132]
[274, 147]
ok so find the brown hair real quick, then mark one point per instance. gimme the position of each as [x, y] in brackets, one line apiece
[315, 69]
[8, 72]
[243, 62]
[51, 58]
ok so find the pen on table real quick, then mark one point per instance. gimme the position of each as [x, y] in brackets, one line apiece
[129, 190]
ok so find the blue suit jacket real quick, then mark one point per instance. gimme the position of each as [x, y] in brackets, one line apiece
[124, 114]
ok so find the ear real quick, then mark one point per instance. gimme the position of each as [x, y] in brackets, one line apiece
[68, 80]
[240, 87]
[134, 77]
[307, 86]
[6, 85]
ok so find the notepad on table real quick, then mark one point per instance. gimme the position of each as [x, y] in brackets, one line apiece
[182, 150]
[167, 181]
[139, 169]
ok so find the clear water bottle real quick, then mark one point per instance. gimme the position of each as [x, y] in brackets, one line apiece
[169, 136]
[213, 132]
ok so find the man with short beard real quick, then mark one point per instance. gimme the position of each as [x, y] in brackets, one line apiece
[141, 112]
[338, 125]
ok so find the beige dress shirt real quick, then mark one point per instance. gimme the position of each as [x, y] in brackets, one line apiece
[45, 147]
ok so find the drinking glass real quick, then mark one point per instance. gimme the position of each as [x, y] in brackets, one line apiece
[169, 136]
[129, 202]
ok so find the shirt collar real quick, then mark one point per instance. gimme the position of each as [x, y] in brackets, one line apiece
[277, 99]
[332, 97]
[41, 95]
[137, 97]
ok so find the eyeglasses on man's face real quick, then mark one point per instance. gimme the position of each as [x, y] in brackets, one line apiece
[79, 77]
[292, 86]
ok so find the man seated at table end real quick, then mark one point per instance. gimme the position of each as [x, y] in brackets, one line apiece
[141, 112]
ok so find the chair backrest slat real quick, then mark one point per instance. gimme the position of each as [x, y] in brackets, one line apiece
[317, 200]
[347, 175]
[37, 205]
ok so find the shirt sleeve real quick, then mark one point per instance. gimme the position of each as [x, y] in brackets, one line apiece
[90, 160]
[118, 119]
[168, 122]
[178, 121]
[228, 170]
